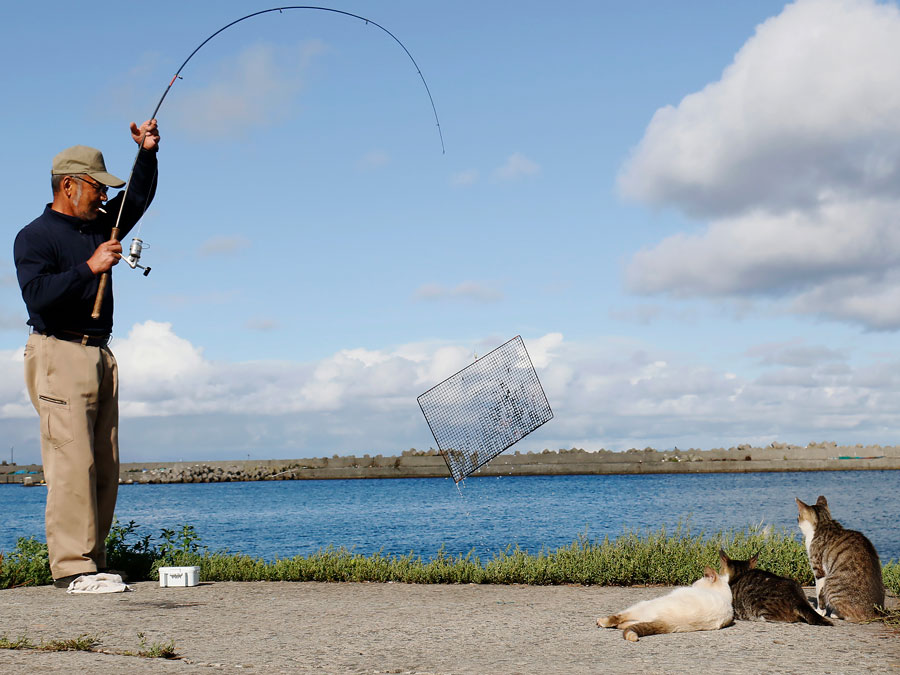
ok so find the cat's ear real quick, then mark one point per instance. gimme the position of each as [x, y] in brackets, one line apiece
[723, 557]
[800, 505]
[752, 561]
[710, 573]
[821, 501]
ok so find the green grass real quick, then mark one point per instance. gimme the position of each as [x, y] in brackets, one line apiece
[156, 650]
[633, 558]
[892, 618]
[21, 642]
[83, 643]
[26, 565]
[90, 643]
[891, 574]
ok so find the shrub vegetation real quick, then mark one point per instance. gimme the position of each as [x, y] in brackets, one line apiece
[656, 557]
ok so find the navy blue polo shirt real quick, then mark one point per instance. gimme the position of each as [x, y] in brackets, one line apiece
[51, 254]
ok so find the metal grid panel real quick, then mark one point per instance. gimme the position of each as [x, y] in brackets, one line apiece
[485, 408]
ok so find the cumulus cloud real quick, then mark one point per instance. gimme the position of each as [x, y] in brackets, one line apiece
[792, 158]
[14, 401]
[773, 253]
[163, 370]
[466, 290]
[794, 353]
[516, 166]
[257, 87]
[872, 300]
[613, 393]
[806, 109]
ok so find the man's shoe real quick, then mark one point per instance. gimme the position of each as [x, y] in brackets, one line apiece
[63, 582]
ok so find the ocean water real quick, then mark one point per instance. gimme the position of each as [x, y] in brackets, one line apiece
[276, 519]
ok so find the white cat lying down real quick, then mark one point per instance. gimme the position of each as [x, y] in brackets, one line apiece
[704, 605]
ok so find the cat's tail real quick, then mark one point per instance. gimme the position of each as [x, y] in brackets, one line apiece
[639, 630]
[806, 613]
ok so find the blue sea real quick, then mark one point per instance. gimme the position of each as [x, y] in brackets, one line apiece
[277, 519]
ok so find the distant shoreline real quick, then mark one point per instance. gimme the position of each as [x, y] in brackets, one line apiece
[430, 464]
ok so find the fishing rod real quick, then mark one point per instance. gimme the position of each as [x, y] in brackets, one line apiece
[135, 253]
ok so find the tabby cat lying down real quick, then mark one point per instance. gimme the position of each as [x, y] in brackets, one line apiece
[759, 595]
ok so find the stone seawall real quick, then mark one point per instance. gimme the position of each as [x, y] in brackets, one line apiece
[413, 464]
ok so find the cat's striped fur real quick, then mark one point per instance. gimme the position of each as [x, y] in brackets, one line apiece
[844, 562]
[759, 595]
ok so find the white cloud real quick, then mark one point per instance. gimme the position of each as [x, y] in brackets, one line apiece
[794, 353]
[516, 166]
[872, 300]
[14, 401]
[541, 350]
[466, 290]
[793, 156]
[773, 253]
[613, 393]
[808, 108]
[166, 374]
[257, 87]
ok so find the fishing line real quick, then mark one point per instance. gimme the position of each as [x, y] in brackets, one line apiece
[115, 231]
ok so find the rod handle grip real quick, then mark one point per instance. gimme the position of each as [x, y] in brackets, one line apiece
[98, 301]
[104, 280]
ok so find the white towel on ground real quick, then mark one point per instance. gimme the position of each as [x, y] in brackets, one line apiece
[98, 583]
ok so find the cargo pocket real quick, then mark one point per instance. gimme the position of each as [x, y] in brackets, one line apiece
[56, 420]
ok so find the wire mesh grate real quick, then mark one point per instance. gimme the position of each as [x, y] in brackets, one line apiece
[485, 408]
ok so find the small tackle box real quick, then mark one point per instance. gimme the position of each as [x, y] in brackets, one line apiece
[178, 576]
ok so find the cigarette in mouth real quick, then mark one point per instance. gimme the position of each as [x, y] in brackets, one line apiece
[101, 210]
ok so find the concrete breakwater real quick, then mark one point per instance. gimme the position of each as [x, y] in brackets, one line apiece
[430, 464]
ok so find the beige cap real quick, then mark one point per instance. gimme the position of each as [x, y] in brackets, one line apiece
[82, 159]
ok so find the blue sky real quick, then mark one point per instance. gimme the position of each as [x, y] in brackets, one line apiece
[687, 210]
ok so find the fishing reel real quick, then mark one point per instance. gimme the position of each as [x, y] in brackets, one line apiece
[134, 254]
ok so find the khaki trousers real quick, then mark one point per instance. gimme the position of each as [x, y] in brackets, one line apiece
[75, 390]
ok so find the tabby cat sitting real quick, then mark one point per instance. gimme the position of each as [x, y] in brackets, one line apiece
[845, 564]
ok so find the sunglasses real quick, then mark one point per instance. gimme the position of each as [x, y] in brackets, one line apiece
[99, 187]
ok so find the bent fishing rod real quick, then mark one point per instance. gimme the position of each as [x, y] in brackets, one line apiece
[135, 252]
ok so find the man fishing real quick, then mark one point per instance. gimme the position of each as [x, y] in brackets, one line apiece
[70, 372]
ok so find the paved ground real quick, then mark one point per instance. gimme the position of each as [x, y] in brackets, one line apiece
[397, 628]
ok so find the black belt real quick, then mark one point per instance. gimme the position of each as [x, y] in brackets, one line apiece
[75, 336]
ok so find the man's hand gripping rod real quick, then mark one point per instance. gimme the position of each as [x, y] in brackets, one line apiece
[104, 277]
[114, 233]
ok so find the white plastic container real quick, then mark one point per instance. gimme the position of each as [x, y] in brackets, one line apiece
[178, 576]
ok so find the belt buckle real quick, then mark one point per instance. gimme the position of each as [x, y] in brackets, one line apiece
[84, 340]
